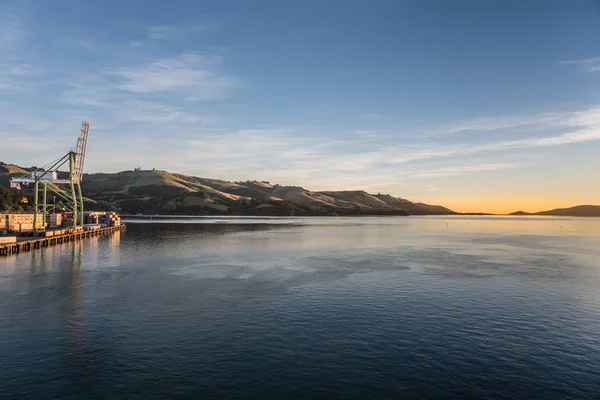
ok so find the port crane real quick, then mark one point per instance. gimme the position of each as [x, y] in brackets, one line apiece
[53, 180]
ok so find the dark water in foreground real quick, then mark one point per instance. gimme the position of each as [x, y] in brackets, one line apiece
[323, 308]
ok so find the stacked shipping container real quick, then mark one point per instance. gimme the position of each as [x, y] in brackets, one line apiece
[24, 222]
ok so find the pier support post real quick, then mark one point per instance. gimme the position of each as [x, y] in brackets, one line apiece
[44, 212]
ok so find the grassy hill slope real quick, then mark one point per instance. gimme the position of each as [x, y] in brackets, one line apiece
[155, 191]
[577, 211]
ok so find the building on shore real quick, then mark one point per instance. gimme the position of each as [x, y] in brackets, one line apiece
[23, 224]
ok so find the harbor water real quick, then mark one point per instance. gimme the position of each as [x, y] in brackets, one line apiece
[259, 308]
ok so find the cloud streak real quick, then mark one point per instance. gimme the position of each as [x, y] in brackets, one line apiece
[11, 32]
[433, 151]
[15, 73]
[161, 92]
[538, 121]
[16, 76]
[591, 64]
[464, 169]
[192, 75]
[174, 32]
[498, 123]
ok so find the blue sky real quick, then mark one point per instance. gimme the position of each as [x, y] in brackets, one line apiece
[477, 105]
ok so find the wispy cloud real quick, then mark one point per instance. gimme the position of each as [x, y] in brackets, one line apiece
[497, 123]
[161, 92]
[464, 169]
[373, 117]
[33, 138]
[16, 75]
[11, 32]
[531, 122]
[422, 152]
[192, 74]
[369, 134]
[174, 32]
[89, 92]
[129, 109]
[156, 113]
[586, 64]
[15, 72]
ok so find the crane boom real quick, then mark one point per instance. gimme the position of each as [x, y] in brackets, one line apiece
[80, 152]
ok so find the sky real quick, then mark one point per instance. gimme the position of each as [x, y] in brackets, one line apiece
[481, 106]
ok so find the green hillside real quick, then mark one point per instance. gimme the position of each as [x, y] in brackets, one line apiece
[162, 192]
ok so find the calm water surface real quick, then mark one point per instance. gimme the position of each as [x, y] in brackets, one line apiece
[308, 308]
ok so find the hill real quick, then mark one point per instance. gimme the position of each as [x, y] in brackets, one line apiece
[154, 191]
[11, 169]
[577, 211]
[10, 199]
[520, 213]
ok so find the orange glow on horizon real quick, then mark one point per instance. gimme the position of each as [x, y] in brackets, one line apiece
[497, 205]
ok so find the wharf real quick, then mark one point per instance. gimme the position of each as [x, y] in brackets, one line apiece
[40, 242]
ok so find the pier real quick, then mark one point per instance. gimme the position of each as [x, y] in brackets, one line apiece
[41, 242]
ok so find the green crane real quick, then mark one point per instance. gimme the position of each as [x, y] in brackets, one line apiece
[49, 178]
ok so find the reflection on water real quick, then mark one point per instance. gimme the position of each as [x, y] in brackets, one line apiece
[317, 307]
[75, 322]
